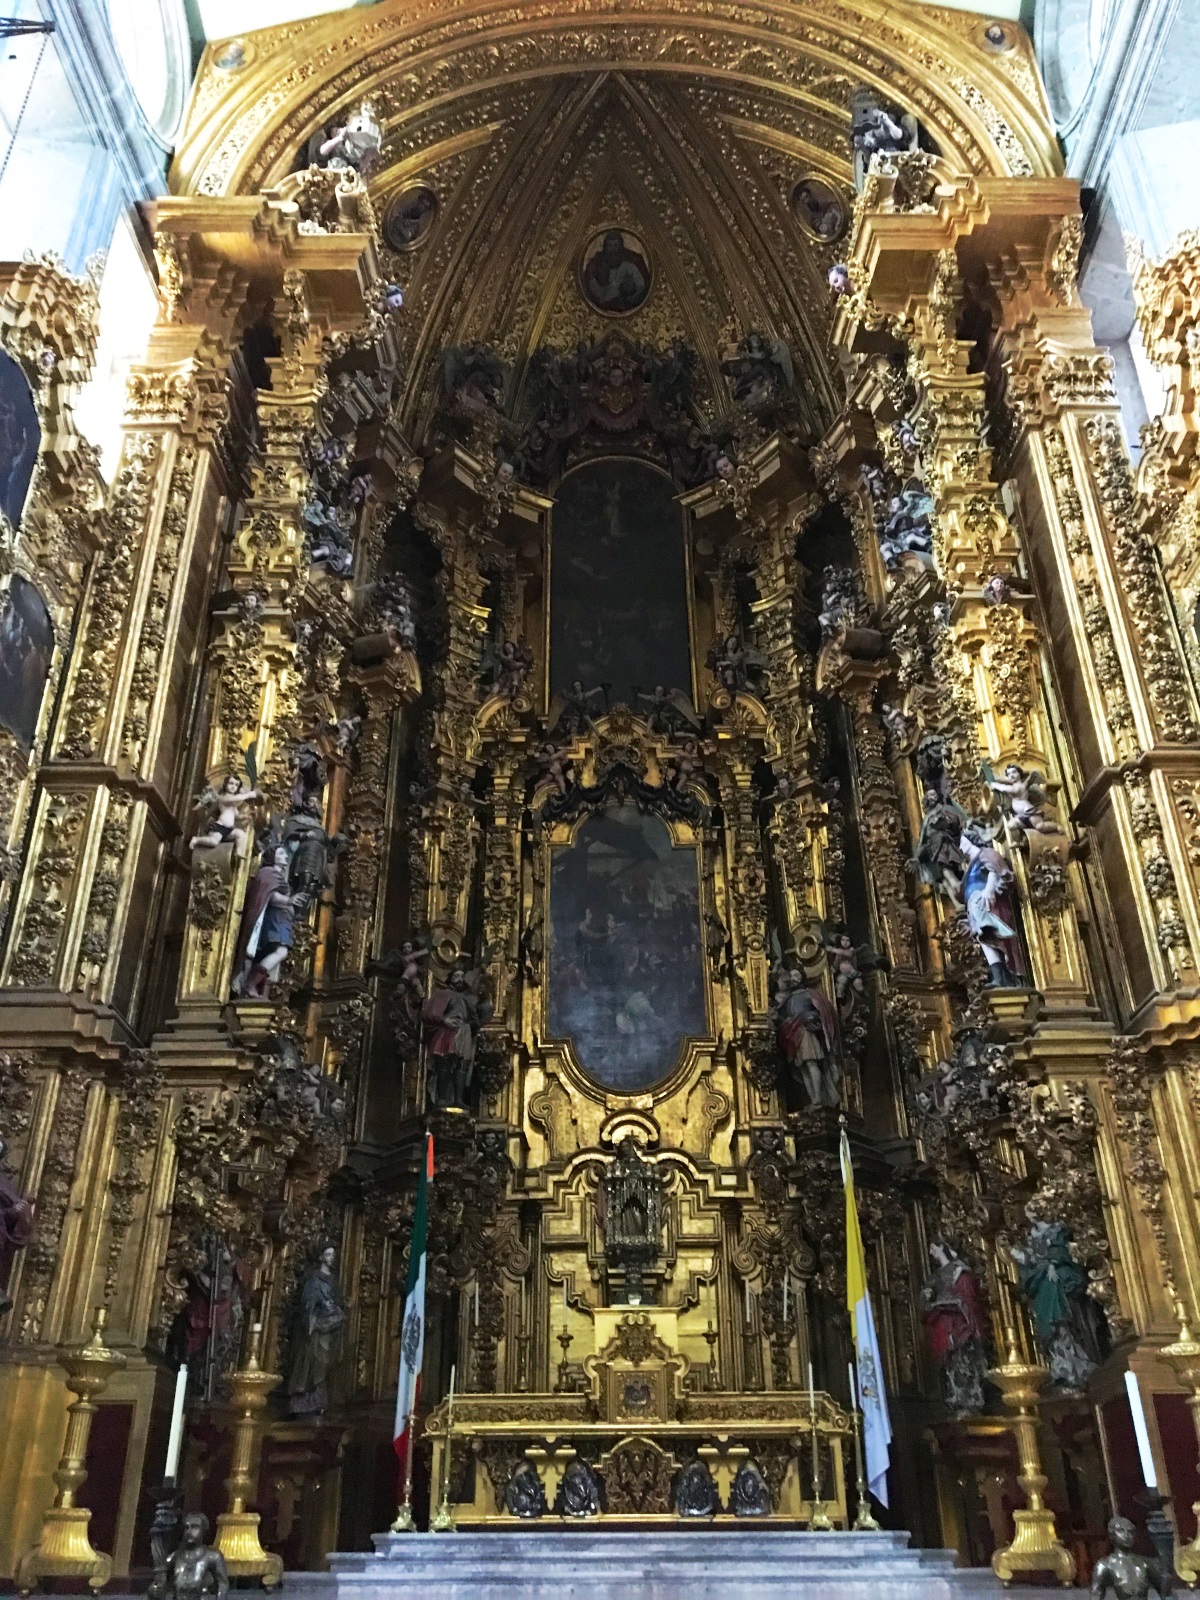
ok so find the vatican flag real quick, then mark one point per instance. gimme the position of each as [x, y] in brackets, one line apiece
[872, 1397]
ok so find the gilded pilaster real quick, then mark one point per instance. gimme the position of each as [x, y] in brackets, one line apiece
[909, 272]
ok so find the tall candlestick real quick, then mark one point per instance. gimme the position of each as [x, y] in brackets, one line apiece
[864, 1522]
[1141, 1432]
[444, 1522]
[175, 1442]
[819, 1521]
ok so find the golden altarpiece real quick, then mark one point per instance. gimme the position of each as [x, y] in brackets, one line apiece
[623, 524]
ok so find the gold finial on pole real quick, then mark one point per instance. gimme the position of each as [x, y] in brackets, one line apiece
[64, 1549]
[237, 1529]
[1036, 1546]
[1184, 1357]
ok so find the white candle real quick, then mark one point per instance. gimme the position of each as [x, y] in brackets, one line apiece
[1149, 1476]
[450, 1406]
[853, 1386]
[812, 1396]
[175, 1443]
[785, 1289]
[476, 1302]
[746, 1286]
[564, 1292]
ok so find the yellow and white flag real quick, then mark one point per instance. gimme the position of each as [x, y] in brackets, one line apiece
[872, 1397]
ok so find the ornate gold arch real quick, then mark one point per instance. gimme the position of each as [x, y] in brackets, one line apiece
[690, 124]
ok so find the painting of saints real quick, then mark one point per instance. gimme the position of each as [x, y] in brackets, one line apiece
[26, 649]
[615, 272]
[20, 436]
[626, 963]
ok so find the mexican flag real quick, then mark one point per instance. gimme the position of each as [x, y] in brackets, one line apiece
[412, 1327]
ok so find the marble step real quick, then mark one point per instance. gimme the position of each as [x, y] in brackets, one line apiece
[581, 1563]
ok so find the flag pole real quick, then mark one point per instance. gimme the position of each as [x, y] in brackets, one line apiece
[864, 1522]
[412, 1342]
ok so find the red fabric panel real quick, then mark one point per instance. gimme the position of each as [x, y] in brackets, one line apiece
[108, 1446]
[1174, 1418]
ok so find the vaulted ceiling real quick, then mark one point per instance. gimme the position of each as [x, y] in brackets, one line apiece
[686, 126]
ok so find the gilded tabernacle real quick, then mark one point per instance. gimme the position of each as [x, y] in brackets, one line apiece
[600, 835]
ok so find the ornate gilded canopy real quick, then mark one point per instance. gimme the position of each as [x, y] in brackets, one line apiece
[536, 127]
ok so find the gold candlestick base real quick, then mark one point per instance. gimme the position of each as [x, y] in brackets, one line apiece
[1036, 1546]
[443, 1522]
[64, 1549]
[237, 1540]
[237, 1529]
[404, 1522]
[864, 1522]
[819, 1521]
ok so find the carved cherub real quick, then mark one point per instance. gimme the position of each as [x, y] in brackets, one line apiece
[227, 802]
[1028, 806]
[839, 280]
[554, 761]
[848, 963]
[507, 665]
[901, 726]
[685, 763]
[356, 143]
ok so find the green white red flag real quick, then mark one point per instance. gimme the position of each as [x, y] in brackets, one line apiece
[412, 1325]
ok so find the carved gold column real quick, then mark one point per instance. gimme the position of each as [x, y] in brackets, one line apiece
[914, 284]
[321, 284]
[1121, 656]
[49, 326]
[104, 813]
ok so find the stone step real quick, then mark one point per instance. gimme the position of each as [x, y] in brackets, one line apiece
[582, 1563]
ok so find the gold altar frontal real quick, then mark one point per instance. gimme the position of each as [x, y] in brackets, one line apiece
[639, 1425]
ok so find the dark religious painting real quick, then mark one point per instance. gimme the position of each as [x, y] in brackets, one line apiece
[410, 216]
[626, 974]
[820, 209]
[26, 646]
[614, 272]
[618, 601]
[20, 436]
